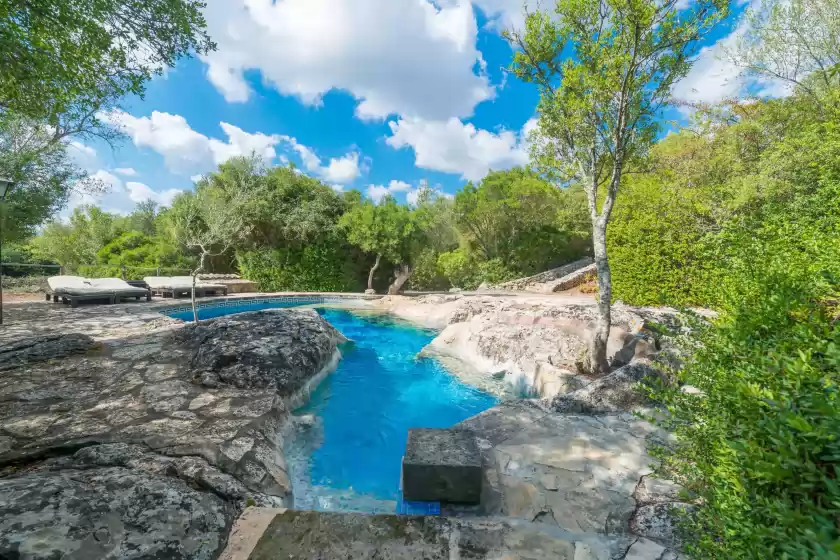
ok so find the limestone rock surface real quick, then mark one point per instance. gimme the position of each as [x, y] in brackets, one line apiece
[617, 391]
[120, 448]
[276, 350]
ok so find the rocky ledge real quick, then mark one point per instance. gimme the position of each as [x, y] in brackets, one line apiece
[151, 444]
[533, 345]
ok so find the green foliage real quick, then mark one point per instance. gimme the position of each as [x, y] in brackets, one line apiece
[521, 220]
[759, 446]
[386, 229]
[761, 186]
[468, 271]
[65, 55]
[43, 172]
[758, 443]
[325, 266]
[427, 275]
[127, 272]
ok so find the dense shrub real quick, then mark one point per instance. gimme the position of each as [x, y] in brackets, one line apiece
[426, 274]
[467, 270]
[128, 272]
[758, 445]
[318, 267]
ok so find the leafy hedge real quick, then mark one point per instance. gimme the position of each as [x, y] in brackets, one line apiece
[759, 445]
[318, 267]
[131, 272]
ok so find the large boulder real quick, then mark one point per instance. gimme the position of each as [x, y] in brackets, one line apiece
[149, 446]
[617, 391]
[109, 512]
[277, 350]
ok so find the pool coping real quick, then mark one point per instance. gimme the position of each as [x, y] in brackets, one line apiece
[305, 298]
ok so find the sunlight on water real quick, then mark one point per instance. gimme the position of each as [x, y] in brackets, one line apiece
[349, 459]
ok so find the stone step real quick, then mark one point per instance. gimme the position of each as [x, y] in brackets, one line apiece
[262, 534]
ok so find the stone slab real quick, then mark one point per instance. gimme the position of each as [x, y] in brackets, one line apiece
[316, 535]
[442, 466]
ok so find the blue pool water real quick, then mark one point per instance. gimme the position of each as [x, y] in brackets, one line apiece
[350, 459]
[213, 312]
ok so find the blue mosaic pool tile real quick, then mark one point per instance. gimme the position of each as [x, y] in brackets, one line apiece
[418, 508]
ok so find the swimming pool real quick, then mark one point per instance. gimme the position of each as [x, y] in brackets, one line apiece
[347, 455]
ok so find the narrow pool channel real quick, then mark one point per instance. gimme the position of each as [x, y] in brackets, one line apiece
[345, 453]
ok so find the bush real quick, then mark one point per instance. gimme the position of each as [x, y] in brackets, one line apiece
[465, 270]
[318, 267]
[131, 272]
[426, 275]
[759, 447]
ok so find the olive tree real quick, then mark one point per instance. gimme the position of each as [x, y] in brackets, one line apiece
[604, 69]
[795, 43]
[209, 222]
[384, 230]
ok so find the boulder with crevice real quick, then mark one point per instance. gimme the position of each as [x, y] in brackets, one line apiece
[617, 391]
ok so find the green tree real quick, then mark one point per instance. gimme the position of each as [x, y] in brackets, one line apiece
[384, 230]
[144, 217]
[209, 222]
[36, 159]
[795, 42]
[605, 69]
[69, 56]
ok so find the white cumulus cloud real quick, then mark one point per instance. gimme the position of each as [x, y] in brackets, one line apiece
[126, 171]
[505, 14]
[406, 57]
[118, 197]
[138, 192]
[395, 187]
[339, 171]
[183, 149]
[342, 170]
[454, 147]
[714, 76]
[377, 192]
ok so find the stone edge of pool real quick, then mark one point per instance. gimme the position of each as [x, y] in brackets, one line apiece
[168, 308]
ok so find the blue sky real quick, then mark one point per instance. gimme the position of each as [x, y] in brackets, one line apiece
[376, 95]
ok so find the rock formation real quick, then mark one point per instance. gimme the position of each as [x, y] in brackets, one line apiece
[150, 445]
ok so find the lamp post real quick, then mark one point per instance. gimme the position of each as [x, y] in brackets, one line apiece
[5, 188]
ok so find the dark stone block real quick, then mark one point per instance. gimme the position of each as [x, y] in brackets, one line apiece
[442, 466]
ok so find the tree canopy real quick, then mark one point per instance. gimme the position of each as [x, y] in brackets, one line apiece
[71, 56]
[604, 70]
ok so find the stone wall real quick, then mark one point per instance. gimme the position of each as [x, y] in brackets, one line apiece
[535, 283]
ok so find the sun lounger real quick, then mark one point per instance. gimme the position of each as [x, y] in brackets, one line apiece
[165, 286]
[122, 289]
[74, 289]
[206, 287]
[177, 286]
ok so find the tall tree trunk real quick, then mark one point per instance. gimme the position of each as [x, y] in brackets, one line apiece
[598, 363]
[372, 270]
[403, 273]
